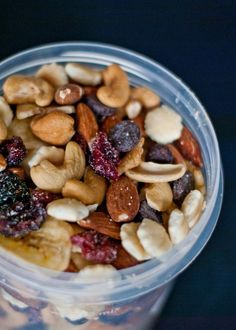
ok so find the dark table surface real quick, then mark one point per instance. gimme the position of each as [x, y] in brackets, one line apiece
[197, 41]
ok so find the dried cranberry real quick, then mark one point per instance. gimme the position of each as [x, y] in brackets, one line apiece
[96, 247]
[125, 135]
[21, 219]
[78, 138]
[146, 211]
[97, 107]
[42, 196]
[159, 154]
[104, 157]
[13, 150]
[182, 187]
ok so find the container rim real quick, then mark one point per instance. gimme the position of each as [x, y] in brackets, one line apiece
[152, 272]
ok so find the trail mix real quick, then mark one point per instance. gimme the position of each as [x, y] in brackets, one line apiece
[93, 170]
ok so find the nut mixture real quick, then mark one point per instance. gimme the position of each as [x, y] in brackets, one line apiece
[93, 171]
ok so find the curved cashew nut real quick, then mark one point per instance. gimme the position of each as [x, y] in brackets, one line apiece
[146, 97]
[54, 73]
[116, 91]
[52, 178]
[6, 112]
[83, 74]
[91, 191]
[20, 89]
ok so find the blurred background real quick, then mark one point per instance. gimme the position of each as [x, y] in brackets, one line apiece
[197, 41]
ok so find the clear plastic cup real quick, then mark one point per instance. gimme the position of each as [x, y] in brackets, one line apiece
[46, 300]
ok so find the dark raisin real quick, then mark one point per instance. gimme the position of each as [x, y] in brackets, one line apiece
[96, 247]
[42, 196]
[20, 219]
[146, 211]
[13, 150]
[12, 190]
[97, 107]
[182, 187]
[104, 157]
[77, 322]
[159, 154]
[125, 135]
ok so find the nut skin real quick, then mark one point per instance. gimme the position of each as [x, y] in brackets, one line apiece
[19, 171]
[68, 94]
[122, 200]
[102, 223]
[116, 91]
[109, 123]
[3, 163]
[52, 178]
[86, 122]
[25, 89]
[124, 259]
[139, 121]
[56, 127]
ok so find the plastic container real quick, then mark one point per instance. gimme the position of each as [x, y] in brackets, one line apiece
[45, 299]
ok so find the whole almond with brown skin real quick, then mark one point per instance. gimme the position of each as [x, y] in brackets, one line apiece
[189, 147]
[178, 158]
[122, 200]
[86, 122]
[139, 120]
[89, 90]
[19, 171]
[124, 259]
[102, 223]
[56, 127]
[109, 123]
[68, 94]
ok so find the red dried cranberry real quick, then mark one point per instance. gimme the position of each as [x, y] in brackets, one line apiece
[13, 150]
[159, 154]
[104, 158]
[97, 107]
[182, 187]
[146, 211]
[42, 196]
[96, 247]
[125, 135]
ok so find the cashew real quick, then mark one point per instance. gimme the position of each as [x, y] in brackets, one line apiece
[163, 125]
[116, 91]
[192, 207]
[52, 154]
[153, 238]
[159, 196]
[67, 209]
[24, 89]
[6, 113]
[83, 74]
[146, 97]
[91, 191]
[52, 178]
[27, 110]
[131, 159]
[3, 130]
[133, 109]
[54, 73]
[150, 172]
[79, 260]
[177, 226]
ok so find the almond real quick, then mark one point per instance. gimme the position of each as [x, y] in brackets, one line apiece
[124, 259]
[86, 122]
[102, 223]
[89, 90]
[109, 123]
[68, 94]
[19, 171]
[139, 120]
[178, 158]
[189, 147]
[122, 200]
[56, 127]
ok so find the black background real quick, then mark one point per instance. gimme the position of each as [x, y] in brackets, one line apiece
[197, 41]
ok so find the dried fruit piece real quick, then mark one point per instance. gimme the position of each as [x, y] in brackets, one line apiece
[78, 138]
[102, 223]
[177, 226]
[192, 207]
[19, 171]
[42, 196]
[13, 150]
[96, 247]
[97, 107]
[146, 211]
[131, 159]
[159, 196]
[122, 200]
[86, 122]
[146, 97]
[68, 94]
[182, 187]
[131, 242]
[109, 123]
[163, 125]
[189, 147]
[150, 172]
[104, 157]
[124, 259]
[125, 135]
[158, 153]
[153, 238]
